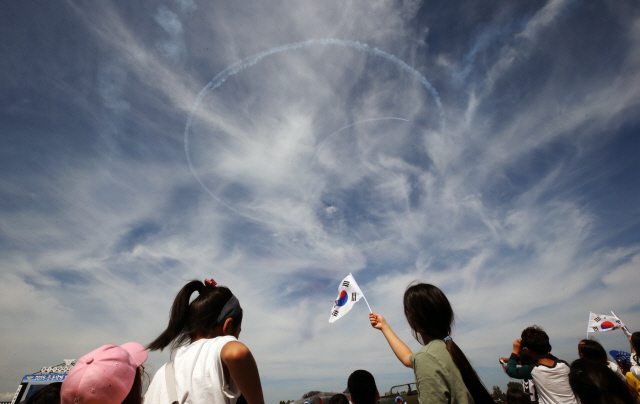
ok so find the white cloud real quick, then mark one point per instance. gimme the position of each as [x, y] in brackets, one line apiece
[389, 200]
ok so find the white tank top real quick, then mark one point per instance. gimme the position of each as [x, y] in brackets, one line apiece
[199, 376]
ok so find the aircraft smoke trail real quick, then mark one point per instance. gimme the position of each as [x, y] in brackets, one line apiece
[347, 127]
[237, 67]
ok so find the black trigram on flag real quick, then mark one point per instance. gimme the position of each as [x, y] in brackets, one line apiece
[595, 329]
[335, 313]
[353, 296]
[597, 319]
[618, 322]
[345, 284]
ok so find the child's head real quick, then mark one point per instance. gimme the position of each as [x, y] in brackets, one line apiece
[536, 341]
[516, 395]
[635, 341]
[49, 394]
[339, 399]
[430, 316]
[111, 374]
[428, 311]
[216, 311]
[362, 387]
[592, 350]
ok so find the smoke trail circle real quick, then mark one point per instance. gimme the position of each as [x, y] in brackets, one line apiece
[237, 67]
[393, 118]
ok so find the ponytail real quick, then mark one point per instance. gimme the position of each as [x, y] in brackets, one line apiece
[429, 314]
[471, 380]
[188, 321]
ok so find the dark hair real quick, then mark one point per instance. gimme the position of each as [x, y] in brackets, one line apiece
[515, 395]
[635, 344]
[135, 394]
[429, 314]
[50, 394]
[339, 399]
[525, 358]
[592, 350]
[595, 383]
[188, 321]
[362, 387]
[535, 339]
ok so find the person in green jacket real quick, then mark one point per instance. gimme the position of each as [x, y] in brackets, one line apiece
[443, 374]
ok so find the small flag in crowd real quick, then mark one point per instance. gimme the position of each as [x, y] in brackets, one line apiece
[624, 328]
[602, 322]
[348, 294]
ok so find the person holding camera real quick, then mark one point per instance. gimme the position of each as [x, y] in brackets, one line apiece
[550, 374]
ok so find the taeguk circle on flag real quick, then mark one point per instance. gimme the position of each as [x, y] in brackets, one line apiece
[605, 325]
[342, 300]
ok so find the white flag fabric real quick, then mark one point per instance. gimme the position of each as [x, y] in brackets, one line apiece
[603, 323]
[348, 294]
[623, 327]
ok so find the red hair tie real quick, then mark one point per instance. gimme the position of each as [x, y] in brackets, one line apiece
[210, 283]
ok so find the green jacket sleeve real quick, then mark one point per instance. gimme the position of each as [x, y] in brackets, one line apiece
[522, 372]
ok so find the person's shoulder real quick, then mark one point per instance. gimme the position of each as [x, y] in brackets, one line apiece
[430, 349]
[434, 346]
[215, 343]
[562, 366]
[157, 391]
[433, 352]
[234, 350]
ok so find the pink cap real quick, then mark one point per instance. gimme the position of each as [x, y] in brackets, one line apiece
[103, 376]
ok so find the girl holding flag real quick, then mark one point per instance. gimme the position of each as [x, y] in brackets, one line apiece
[443, 374]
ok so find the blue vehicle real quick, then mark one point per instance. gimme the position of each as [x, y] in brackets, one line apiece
[32, 383]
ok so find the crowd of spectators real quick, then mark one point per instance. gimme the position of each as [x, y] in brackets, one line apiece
[211, 366]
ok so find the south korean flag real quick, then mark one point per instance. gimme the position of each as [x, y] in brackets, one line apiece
[603, 323]
[349, 294]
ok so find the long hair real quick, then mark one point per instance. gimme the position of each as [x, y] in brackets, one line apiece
[429, 314]
[635, 343]
[595, 383]
[189, 321]
[592, 350]
[135, 394]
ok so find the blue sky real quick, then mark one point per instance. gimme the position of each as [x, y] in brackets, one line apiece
[489, 148]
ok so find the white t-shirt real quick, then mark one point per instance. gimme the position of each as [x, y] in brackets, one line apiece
[199, 376]
[635, 366]
[552, 384]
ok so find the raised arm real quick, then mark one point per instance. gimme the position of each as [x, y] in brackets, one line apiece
[243, 370]
[398, 347]
[522, 372]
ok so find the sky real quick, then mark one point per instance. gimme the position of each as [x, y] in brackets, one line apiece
[487, 147]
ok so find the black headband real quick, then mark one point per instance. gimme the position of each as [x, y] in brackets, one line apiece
[230, 310]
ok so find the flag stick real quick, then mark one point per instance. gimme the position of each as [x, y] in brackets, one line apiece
[588, 324]
[365, 300]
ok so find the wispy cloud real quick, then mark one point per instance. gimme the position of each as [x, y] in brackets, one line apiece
[317, 161]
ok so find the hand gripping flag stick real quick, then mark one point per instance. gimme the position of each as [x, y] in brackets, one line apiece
[348, 294]
[624, 328]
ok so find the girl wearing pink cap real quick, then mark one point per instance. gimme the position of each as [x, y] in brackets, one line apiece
[210, 364]
[111, 374]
